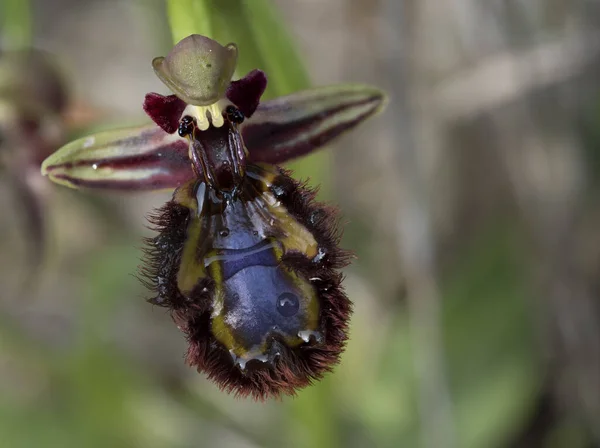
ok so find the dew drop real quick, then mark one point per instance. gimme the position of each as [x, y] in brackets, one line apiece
[200, 194]
[288, 304]
[308, 335]
[238, 361]
[89, 142]
[95, 166]
[262, 358]
[253, 354]
[315, 217]
[321, 253]
[278, 191]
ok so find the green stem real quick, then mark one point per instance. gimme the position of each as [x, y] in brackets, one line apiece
[15, 23]
[188, 17]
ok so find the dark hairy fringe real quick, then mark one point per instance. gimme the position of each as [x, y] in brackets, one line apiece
[296, 367]
[162, 254]
[321, 219]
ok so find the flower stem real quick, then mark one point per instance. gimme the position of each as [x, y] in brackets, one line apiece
[188, 17]
[15, 23]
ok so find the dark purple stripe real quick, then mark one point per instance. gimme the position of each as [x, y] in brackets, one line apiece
[174, 154]
[268, 141]
[173, 160]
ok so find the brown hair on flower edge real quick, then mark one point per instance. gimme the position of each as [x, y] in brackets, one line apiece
[245, 259]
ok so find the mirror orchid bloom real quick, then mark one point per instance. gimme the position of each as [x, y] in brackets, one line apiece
[245, 259]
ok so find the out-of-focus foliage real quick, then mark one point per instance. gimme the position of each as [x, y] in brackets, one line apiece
[257, 30]
[16, 23]
[492, 194]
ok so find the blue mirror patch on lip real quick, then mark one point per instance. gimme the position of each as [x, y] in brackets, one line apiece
[261, 301]
[234, 260]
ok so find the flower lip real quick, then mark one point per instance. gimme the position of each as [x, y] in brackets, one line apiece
[198, 69]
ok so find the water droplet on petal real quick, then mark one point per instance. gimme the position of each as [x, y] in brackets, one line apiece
[288, 304]
[320, 255]
[200, 194]
[309, 335]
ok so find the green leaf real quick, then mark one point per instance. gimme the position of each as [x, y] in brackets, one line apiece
[255, 27]
[15, 23]
[188, 17]
[282, 61]
[493, 367]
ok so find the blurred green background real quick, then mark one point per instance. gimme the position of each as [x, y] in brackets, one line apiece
[472, 204]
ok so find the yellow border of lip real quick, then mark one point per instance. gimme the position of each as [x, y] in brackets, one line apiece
[298, 238]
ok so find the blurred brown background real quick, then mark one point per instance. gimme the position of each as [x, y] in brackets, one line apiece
[472, 204]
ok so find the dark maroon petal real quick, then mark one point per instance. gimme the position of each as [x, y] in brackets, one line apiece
[288, 127]
[165, 111]
[245, 93]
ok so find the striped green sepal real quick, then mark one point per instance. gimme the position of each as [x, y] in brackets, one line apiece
[290, 126]
[139, 158]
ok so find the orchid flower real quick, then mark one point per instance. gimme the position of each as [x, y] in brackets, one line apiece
[245, 259]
